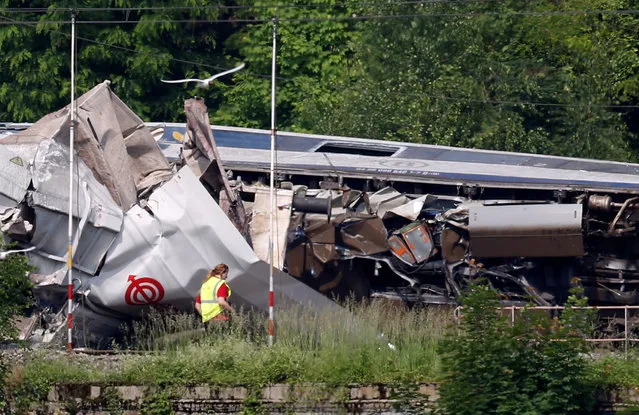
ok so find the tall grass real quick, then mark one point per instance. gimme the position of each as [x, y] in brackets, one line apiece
[362, 343]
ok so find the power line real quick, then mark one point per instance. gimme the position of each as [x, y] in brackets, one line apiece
[231, 7]
[530, 103]
[345, 18]
[509, 103]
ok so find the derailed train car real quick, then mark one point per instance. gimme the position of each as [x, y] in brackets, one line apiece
[414, 222]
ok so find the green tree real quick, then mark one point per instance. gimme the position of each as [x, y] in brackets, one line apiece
[493, 75]
[149, 45]
[15, 298]
[535, 366]
[315, 52]
[532, 76]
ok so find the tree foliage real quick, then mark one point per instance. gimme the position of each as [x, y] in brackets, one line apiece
[134, 55]
[535, 366]
[15, 292]
[15, 297]
[533, 76]
[488, 75]
[314, 54]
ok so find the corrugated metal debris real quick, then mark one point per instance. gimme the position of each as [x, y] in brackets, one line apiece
[145, 232]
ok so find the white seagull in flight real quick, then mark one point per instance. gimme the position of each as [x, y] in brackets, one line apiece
[204, 83]
[3, 255]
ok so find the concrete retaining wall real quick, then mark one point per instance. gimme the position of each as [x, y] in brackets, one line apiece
[299, 398]
[277, 399]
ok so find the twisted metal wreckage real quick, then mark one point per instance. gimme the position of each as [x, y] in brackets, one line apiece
[145, 231]
[407, 222]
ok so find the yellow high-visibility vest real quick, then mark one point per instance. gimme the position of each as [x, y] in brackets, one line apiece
[208, 298]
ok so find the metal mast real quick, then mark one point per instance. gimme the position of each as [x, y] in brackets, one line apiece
[70, 233]
[271, 325]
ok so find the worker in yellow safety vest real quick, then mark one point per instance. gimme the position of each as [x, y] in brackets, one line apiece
[214, 294]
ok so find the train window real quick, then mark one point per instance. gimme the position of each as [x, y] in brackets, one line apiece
[357, 148]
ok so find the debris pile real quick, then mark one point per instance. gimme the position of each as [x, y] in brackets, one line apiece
[145, 232]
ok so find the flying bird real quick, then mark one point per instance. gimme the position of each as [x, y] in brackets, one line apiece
[204, 83]
[3, 255]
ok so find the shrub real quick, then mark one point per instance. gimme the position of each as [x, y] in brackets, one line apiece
[535, 366]
[15, 297]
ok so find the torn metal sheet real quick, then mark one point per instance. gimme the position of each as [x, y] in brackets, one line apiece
[201, 155]
[51, 187]
[15, 176]
[301, 261]
[15, 224]
[453, 246]
[110, 139]
[97, 217]
[39, 219]
[200, 147]
[345, 198]
[367, 236]
[382, 201]
[163, 254]
[325, 252]
[385, 199]
[410, 210]
[310, 258]
[260, 222]
[318, 230]
[91, 248]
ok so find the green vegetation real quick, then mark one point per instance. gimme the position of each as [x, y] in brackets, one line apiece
[534, 76]
[535, 366]
[15, 291]
[332, 349]
[485, 364]
[540, 365]
[15, 297]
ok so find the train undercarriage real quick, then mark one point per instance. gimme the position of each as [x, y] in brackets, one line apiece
[421, 244]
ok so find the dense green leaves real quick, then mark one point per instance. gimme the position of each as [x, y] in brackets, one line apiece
[532, 76]
[15, 297]
[485, 75]
[533, 367]
[134, 55]
[313, 57]
[15, 292]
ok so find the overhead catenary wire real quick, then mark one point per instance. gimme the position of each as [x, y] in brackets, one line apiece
[352, 17]
[219, 6]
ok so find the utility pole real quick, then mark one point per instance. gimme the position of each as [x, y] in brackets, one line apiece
[271, 299]
[70, 230]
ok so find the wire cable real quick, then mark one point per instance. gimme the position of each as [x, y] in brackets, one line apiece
[353, 17]
[235, 7]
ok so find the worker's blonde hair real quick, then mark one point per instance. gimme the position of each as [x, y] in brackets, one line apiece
[217, 271]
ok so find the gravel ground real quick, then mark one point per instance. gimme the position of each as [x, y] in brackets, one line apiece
[101, 361]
